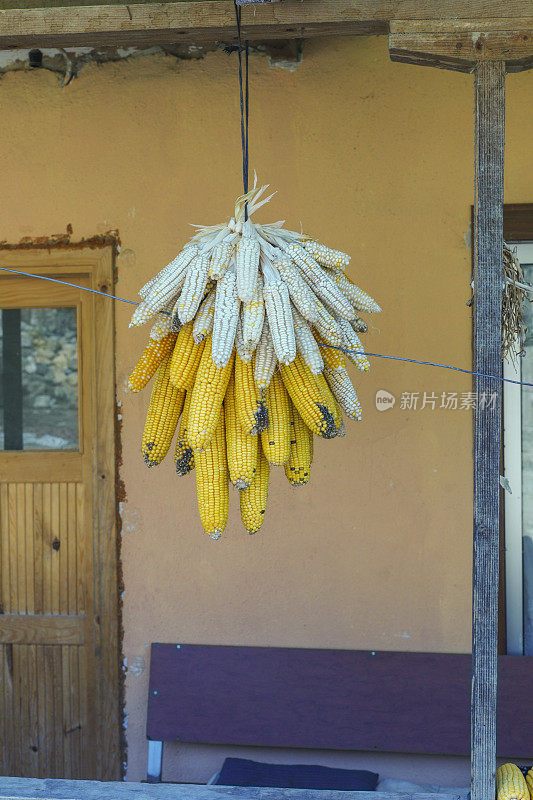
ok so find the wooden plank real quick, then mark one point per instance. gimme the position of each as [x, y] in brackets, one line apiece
[329, 699]
[488, 243]
[17, 788]
[518, 222]
[214, 20]
[462, 50]
[39, 629]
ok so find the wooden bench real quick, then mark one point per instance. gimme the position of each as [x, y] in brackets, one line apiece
[327, 699]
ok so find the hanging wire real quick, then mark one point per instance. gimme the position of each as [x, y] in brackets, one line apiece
[244, 100]
[331, 346]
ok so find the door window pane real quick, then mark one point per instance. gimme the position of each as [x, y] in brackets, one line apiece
[38, 379]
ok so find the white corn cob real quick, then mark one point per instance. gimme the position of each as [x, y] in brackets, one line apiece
[253, 317]
[279, 314]
[203, 322]
[226, 318]
[326, 256]
[143, 291]
[193, 288]
[327, 326]
[175, 322]
[353, 342]
[343, 391]
[306, 344]
[301, 295]
[360, 300]
[161, 327]
[359, 325]
[165, 288]
[243, 349]
[247, 263]
[322, 285]
[265, 360]
[220, 259]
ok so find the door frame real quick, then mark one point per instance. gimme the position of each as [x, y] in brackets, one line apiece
[94, 268]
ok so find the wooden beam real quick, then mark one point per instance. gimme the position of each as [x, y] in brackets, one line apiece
[443, 44]
[488, 244]
[52, 629]
[77, 23]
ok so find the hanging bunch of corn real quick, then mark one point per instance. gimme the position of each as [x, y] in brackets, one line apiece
[252, 326]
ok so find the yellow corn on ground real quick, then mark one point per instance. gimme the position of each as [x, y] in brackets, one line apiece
[207, 396]
[276, 439]
[241, 448]
[164, 410]
[254, 499]
[303, 389]
[510, 783]
[150, 359]
[252, 410]
[298, 467]
[183, 454]
[212, 483]
[185, 358]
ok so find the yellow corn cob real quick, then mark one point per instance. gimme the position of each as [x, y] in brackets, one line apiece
[254, 499]
[298, 466]
[185, 358]
[529, 780]
[240, 447]
[343, 391]
[212, 483]
[303, 389]
[207, 396]
[184, 455]
[164, 410]
[329, 400]
[151, 357]
[252, 410]
[510, 783]
[276, 439]
[332, 358]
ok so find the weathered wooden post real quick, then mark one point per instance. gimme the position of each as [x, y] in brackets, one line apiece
[488, 277]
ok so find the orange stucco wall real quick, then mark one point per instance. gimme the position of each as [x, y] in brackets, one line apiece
[377, 159]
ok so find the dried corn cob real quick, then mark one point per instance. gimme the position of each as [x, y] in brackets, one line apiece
[207, 396]
[245, 351]
[359, 325]
[298, 467]
[254, 499]
[226, 318]
[330, 401]
[300, 293]
[252, 410]
[360, 300]
[194, 288]
[212, 483]
[164, 410]
[184, 454]
[510, 783]
[306, 344]
[326, 256]
[343, 390]
[304, 392]
[319, 281]
[165, 287]
[265, 360]
[352, 342]
[276, 438]
[185, 358]
[247, 263]
[253, 317]
[529, 780]
[203, 322]
[327, 326]
[220, 259]
[143, 291]
[279, 313]
[151, 357]
[242, 449]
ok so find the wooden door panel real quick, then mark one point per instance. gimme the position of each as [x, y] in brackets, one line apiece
[59, 694]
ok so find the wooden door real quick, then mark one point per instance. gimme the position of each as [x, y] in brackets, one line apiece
[59, 663]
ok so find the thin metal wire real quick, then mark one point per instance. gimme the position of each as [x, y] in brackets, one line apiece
[331, 346]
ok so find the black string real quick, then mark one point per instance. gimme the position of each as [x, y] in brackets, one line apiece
[245, 107]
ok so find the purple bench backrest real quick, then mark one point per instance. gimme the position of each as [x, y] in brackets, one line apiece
[331, 699]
